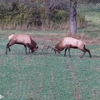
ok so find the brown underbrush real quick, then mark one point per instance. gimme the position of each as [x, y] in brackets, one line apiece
[86, 38]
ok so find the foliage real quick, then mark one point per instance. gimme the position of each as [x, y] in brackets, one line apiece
[80, 20]
[61, 16]
[32, 13]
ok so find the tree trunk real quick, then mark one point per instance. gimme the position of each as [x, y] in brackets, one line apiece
[73, 13]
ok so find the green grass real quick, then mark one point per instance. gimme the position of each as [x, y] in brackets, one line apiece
[48, 76]
[92, 16]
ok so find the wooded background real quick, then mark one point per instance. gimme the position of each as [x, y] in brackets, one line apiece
[41, 14]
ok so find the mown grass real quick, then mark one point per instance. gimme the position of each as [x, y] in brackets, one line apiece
[48, 76]
[92, 16]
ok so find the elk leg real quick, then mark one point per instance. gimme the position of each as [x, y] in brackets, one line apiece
[85, 50]
[29, 48]
[88, 52]
[8, 46]
[83, 54]
[69, 50]
[25, 49]
[65, 52]
[9, 49]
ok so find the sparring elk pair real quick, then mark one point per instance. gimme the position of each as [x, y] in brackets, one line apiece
[64, 44]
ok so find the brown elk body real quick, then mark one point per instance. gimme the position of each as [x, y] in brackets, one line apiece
[68, 42]
[24, 40]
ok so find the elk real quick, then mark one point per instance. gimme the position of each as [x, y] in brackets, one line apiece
[22, 39]
[67, 43]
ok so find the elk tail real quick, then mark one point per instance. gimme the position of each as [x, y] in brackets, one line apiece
[10, 37]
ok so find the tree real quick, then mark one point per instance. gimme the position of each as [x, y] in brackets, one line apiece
[73, 14]
[73, 4]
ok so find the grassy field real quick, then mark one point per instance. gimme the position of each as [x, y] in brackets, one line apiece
[92, 15]
[49, 76]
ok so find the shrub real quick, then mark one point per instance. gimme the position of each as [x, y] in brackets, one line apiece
[61, 16]
[80, 20]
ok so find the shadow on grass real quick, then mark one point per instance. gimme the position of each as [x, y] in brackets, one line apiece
[95, 56]
[23, 53]
[79, 56]
[86, 56]
[50, 54]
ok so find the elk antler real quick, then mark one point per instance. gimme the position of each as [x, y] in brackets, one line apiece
[47, 47]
